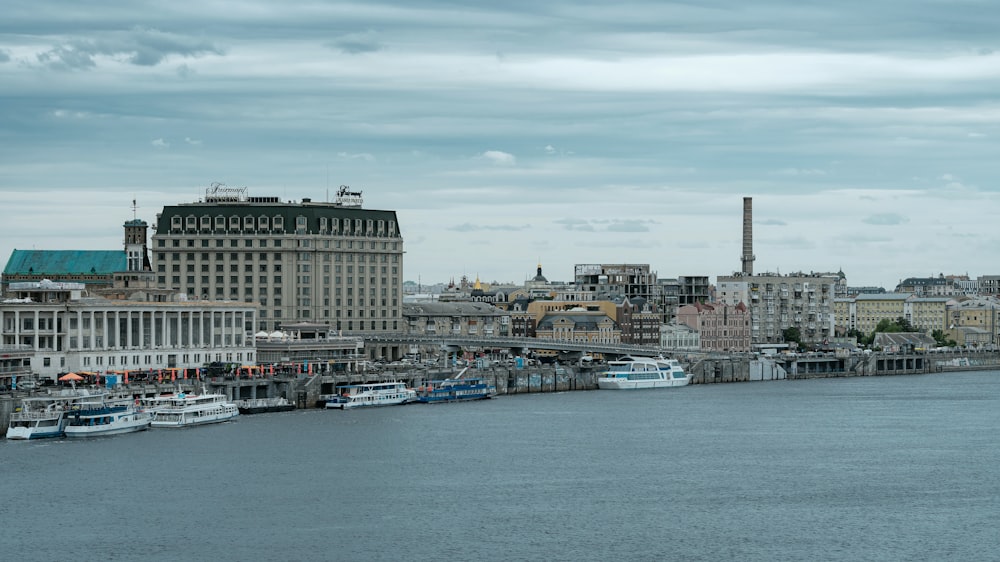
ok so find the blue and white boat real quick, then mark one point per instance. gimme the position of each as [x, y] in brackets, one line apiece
[455, 390]
[99, 417]
[370, 394]
[642, 372]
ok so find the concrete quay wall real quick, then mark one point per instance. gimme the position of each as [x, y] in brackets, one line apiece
[724, 369]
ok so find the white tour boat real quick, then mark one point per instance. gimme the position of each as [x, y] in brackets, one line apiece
[43, 416]
[371, 394]
[182, 410]
[643, 372]
[99, 417]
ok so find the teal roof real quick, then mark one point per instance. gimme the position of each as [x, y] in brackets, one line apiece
[54, 263]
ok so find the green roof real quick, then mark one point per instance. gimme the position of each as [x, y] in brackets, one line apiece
[54, 263]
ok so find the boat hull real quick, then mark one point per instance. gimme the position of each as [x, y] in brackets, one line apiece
[620, 384]
[352, 404]
[109, 429]
[21, 433]
[188, 419]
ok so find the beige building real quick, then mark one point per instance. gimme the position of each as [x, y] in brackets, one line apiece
[865, 311]
[578, 325]
[982, 312]
[927, 314]
[720, 327]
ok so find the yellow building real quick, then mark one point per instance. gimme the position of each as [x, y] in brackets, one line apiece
[927, 314]
[982, 312]
[870, 309]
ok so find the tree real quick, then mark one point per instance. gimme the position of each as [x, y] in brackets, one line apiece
[942, 339]
[861, 337]
[792, 334]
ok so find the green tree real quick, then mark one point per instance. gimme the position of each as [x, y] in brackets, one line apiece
[792, 334]
[942, 339]
[861, 337]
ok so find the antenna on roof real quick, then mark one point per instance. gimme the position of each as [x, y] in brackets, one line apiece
[134, 207]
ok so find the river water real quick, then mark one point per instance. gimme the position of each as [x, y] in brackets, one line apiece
[875, 468]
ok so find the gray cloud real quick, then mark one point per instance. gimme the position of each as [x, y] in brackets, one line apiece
[357, 43]
[527, 111]
[469, 227]
[629, 225]
[885, 219]
[138, 46]
[576, 225]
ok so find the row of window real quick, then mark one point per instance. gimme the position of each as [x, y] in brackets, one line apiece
[248, 257]
[275, 243]
[263, 222]
[263, 282]
[276, 268]
[148, 360]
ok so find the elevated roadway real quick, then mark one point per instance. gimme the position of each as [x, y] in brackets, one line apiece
[516, 344]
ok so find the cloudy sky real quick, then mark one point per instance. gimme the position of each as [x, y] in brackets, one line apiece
[511, 133]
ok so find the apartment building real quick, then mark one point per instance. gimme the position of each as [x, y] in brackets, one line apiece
[778, 302]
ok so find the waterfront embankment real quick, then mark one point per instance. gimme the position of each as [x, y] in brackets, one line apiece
[306, 390]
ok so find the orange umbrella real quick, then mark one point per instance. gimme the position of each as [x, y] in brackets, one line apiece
[71, 377]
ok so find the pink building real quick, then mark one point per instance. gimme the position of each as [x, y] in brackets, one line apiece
[722, 327]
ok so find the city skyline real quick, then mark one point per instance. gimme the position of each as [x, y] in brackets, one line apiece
[507, 136]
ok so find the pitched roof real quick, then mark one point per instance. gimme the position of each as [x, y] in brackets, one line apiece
[54, 263]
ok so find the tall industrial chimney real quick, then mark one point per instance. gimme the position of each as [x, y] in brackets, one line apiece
[748, 256]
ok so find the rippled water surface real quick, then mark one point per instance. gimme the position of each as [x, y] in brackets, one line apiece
[887, 468]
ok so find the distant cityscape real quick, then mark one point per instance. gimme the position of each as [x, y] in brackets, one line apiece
[217, 273]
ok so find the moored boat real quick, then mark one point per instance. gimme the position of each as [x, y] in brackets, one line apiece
[264, 405]
[99, 417]
[370, 394]
[642, 372]
[455, 390]
[183, 410]
[42, 416]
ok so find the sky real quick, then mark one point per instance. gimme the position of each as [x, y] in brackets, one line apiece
[511, 134]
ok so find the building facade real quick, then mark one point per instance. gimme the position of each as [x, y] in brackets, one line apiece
[720, 327]
[679, 337]
[473, 319]
[67, 330]
[940, 286]
[864, 312]
[578, 325]
[981, 312]
[332, 263]
[778, 302]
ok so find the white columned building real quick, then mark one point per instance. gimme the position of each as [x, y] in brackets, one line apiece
[67, 331]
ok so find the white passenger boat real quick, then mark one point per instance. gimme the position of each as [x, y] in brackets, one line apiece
[182, 410]
[43, 416]
[642, 372]
[95, 418]
[371, 394]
